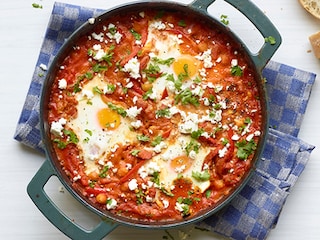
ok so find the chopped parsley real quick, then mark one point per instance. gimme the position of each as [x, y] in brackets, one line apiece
[147, 94]
[157, 140]
[165, 112]
[96, 89]
[140, 195]
[201, 176]
[186, 97]
[245, 148]
[152, 72]
[167, 62]
[104, 171]
[270, 40]
[97, 68]
[236, 71]
[136, 35]
[197, 134]
[182, 23]
[156, 178]
[224, 19]
[177, 83]
[71, 138]
[143, 138]
[192, 146]
[37, 5]
[119, 110]
[135, 152]
[208, 193]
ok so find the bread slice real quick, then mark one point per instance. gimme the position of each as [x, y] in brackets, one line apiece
[315, 43]
[312, 6]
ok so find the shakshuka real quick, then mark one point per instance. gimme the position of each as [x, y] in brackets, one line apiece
[154, 115]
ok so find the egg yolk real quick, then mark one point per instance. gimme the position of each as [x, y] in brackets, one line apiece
[108, 118]
[181, 163]
[185, 65]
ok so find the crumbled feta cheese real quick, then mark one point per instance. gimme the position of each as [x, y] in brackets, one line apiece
[133, 68]
[192, 154]
[111, 204]
[129, 85]
[87, 94]
[137, 124]
[133, 112]
[249, 137]
[190, 123]
[143, 172]
[158, 25]
[198, 91]
[43, 67]
[223, 151]
[135, 99]
[91, 20]
[158, 148]
[76, 178]
[203, 72]
[99, 55]
[234, 62]
[180, 169]
[62, 84]
[149, 199]
[165, 203]
[152, 167]
[116, 36]
[128, 166]
[180, 206]
[257, 133]
[133, 185]
[235, 137]
[57, 127]
[98, 37]
[108, 89]
[206, 58]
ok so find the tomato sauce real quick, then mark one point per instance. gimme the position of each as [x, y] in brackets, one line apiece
[221, 94]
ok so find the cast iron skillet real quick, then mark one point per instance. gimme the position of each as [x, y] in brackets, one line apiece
[52, 166]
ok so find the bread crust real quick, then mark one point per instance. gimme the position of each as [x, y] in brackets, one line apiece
[315, 43]
[312, 6]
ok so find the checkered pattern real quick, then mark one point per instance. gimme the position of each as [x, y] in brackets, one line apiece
[255, 210]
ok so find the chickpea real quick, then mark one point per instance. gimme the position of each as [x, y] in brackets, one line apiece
[93, 175]
[218, 184]
[146, 86]
[101, 198]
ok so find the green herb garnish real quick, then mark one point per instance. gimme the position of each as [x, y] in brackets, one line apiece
[270, 40]
[224, 19]
[157, 140]
[104, 171]
[236, 71]
[163, 112]
[245, 148]
[136, 35]
[186, 97]
[201, 176]
[143, 138]
[119, 110]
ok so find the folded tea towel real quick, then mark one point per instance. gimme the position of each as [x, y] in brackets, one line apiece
[255, 210]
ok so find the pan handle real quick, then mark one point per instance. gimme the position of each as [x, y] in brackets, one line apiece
[259, 20]
[36, 192]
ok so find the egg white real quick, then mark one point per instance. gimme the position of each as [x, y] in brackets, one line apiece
[164, 46]
[100, 142]
[167, 174]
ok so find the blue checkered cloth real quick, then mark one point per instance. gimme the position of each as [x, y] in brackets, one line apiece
[255, 210]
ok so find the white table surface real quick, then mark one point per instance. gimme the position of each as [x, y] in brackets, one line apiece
[22, 29]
